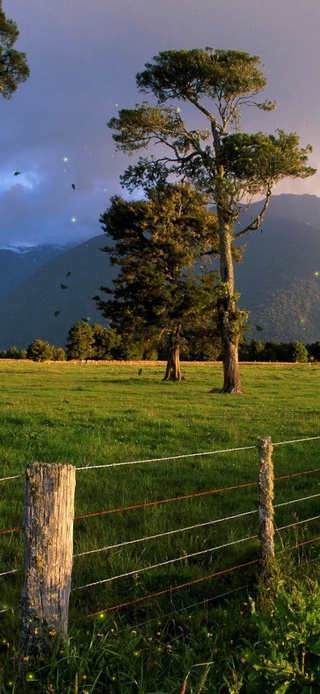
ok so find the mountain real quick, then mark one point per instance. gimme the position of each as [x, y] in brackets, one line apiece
[279, 281]
[18, 264]
[56, 296]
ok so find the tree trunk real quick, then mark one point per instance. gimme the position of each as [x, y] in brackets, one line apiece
[173, 368]
[231, 371]
[228, 314]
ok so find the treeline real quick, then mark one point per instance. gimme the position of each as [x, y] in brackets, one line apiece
[97, 342]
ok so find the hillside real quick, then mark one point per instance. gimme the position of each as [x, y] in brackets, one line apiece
[66, 285]
[18, 264]
[277, 280]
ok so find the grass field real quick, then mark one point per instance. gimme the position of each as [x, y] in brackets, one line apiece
[99, 414]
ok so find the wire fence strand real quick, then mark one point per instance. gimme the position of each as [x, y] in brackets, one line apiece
[190, 455]
[165, 534]
[157, 502]
[6, 573]
[169, 590]
[12, 477]
[184, 557]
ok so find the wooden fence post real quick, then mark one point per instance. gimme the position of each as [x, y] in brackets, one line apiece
[48, 548]
[266, 512]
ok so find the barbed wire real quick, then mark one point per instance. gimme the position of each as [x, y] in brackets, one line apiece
[297, 474]
[164, 534]
[186, 608]
[295, 501]
[12, 530]
[163, 459]
[293, 525]
[191, 527]
[169, 590]
[164, 563]
[6, 573]
[6, 609]
[12, 477]
[145, 504]
[191, 455]
[309, 438]
[298, 544]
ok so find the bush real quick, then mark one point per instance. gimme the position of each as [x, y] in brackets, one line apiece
[40, 350]
[298, 352]
[59, 354]
[285, 655]
[80, 341]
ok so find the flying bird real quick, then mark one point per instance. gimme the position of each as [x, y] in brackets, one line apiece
[73, 186]
[68, 273]
[56, 313]
[17, 173]
[63, 286]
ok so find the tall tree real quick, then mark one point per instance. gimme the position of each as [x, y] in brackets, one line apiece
[13, 65]
[227, 165]
[159, 291]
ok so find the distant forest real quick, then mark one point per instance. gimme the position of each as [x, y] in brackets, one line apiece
[99, 343]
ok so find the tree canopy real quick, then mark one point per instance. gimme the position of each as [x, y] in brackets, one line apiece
[213, 154]
[13, 64]
[163, 245]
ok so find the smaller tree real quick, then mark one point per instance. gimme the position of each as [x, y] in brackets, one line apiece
[298, 352]
[80, 341]
[59, 354]
[13, 65]
[40, 350]
[164, 286]
[106, 342]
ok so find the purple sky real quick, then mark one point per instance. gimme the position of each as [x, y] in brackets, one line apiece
[83, 57]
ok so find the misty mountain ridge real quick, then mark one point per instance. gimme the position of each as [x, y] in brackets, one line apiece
[45, 289]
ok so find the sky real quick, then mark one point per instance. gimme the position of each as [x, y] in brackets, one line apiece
[83, 56]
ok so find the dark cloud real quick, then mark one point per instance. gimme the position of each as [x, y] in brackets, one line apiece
[83, 58]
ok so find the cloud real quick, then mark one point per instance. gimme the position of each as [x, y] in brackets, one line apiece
[83, 58]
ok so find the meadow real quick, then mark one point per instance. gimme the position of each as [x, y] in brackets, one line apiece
[102, 414]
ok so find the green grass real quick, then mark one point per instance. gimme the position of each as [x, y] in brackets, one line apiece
[98, 414]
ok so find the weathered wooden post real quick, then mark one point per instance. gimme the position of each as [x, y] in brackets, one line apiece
[48, 548]
[266, 511]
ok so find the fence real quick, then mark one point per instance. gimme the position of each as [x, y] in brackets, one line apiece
[48, 539]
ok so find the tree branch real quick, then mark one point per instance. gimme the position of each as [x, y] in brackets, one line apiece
[253, 226]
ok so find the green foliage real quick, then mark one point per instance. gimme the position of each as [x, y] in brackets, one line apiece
[80, 341]
[255, 350]
[106, 342]
[94, 341]
[59, 354]
[95, 415]
[251, 160]
[158, 243]
[298, 352]
[224, 164]
[286, 655]
[40, 350]
[14, 353]
[189, 74]
[13, 65]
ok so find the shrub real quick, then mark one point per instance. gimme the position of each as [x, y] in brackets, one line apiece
[40, 350]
